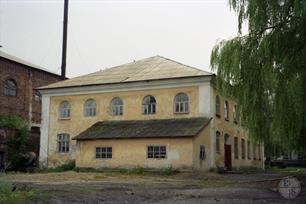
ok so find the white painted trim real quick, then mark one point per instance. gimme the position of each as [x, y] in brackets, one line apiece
[44, 133]
[135, 86]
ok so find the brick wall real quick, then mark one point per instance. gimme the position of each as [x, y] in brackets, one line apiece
[25, 104]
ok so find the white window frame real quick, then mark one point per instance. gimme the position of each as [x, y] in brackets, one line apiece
[90, 108]
[65, 109]
[181, 105]
[156, 152]
[148, 107]
[104, 152]
[117, 109]
[63, 140]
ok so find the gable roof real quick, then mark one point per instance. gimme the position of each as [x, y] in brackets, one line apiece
[152, 68]
[25, 63]
[163, 128]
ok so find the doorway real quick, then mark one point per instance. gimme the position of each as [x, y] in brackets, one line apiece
[227, 153]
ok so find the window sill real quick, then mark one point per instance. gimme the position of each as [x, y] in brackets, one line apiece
[179, 113]
[65, 118]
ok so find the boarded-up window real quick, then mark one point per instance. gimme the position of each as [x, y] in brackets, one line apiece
[10, 88]
[218, 142]
[104, 152]
[242, 148]
[236, 147]
[63, 142]
[157, 152]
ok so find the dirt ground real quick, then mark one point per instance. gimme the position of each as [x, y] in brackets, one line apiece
[190, 187]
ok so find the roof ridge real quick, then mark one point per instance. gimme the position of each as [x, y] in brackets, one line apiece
[183, 64]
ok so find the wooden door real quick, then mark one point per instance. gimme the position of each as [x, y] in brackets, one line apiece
[227, 157]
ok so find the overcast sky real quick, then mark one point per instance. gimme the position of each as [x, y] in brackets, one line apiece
[108, 33]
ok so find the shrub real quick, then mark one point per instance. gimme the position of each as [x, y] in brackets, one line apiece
[16, 196]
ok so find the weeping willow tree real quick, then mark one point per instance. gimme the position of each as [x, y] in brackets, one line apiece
[265, 71]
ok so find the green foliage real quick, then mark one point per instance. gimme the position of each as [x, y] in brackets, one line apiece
[265, 71]
[20, 195]
[169, 171]
[65, 167]
[18, 144]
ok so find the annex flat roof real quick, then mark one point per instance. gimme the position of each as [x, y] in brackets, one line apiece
[162, 128]
[152, 68]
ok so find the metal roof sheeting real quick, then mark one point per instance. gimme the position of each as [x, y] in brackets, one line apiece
[153, 68]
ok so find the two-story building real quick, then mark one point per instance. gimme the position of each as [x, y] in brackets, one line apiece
[152, 113]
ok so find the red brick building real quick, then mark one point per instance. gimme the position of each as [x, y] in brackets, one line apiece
[18, 80]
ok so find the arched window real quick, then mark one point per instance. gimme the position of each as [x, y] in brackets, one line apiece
[117, 106]
[65, 109]
[149, 105]
[218, 142]
[217, 105]
[235, 113]
[181, 103]
[226, 110]
[10, 88]
[90, 108]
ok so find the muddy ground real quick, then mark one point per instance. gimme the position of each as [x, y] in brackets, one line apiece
[188, 187]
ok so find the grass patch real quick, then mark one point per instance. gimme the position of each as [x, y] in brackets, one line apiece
[65, 167]
[295, 170]
[10, 194]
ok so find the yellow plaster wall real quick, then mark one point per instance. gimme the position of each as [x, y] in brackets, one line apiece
[132, 111]
[128, 153]
[233, 130]
[202, 139]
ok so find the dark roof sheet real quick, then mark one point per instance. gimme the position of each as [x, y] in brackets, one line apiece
[186, 127]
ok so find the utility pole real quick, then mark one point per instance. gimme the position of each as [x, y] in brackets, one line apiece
[64, 47]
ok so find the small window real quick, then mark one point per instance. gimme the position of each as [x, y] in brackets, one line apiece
[202, 152]
[181, 103]
[63, 142]
[249, 150]
[226, 115]
[259, 153]
[149, 105]
[90, 108]
[235, 114]
[10, 88]
[65, 109]
[218, 142]
[37, 96]
[157, 152]
[218, 106]
[104, 152]
[117, 106]
[254, 152]
[242, 148]
[236, 147]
